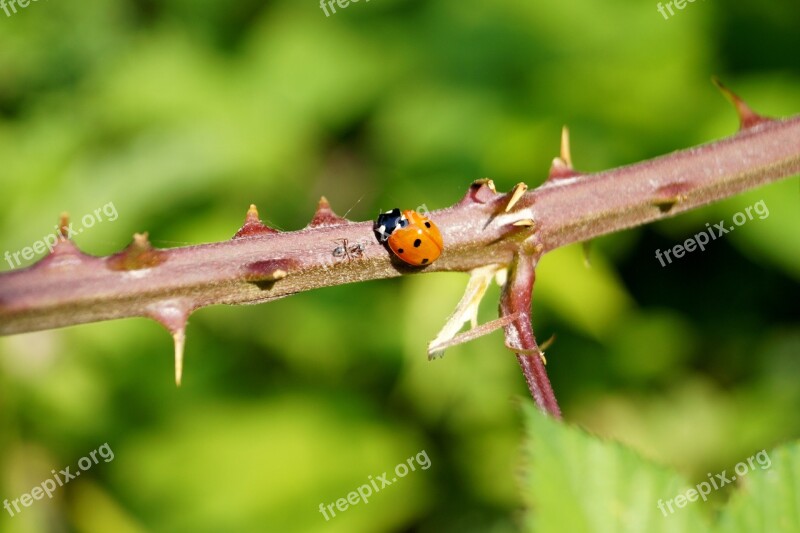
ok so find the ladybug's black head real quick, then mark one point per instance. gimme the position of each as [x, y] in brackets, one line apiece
[388, 222]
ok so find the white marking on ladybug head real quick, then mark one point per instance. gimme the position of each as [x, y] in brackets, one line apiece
[383, 235]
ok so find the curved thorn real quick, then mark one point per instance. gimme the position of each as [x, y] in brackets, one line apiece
[747, 117]
[480, 191]
[548, 343]
[488, 182]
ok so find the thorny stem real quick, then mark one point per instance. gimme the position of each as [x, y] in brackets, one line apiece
[516, 300]
[485, 228]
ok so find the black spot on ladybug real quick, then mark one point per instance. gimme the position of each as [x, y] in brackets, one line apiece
[424, 260]
[399, 250]
[417, 242]
[427, 224]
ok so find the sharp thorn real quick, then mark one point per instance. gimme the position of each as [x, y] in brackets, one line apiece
[548, 343]
[179, 337]
[480, 191]
[139, 254]
[560, 170]
[253, 226]
[561, 167]
[516, 194]
[63, 226]
[174, 315]
[747, 117]
[566, 156]
[252, 214]
[64, 253]
[487, 182]
[324, 216]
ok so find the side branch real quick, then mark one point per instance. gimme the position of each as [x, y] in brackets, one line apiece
[516, 302]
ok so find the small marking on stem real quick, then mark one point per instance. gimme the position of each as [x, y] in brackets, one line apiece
[667, 196]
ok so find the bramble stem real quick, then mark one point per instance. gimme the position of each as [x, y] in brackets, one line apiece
[77, 288]
[509, 231]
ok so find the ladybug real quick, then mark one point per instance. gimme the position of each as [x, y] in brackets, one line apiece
[412, 237]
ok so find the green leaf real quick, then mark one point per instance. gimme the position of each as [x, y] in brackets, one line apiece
[769, 498]
[577, 482]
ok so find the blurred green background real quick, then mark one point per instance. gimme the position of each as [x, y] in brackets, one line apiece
[183, 113]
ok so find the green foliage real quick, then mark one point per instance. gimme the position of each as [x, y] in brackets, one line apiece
[577, 482]
[770, 500]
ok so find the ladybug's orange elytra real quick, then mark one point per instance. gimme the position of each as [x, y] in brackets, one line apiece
[412, 237]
